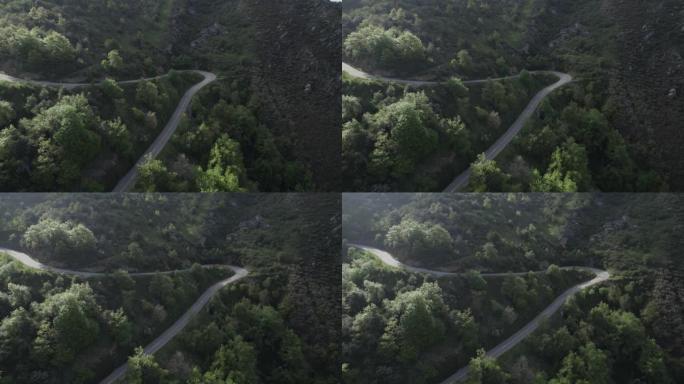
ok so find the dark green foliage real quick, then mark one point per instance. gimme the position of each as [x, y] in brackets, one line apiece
[396, 323]
[404, 139]
[628, 329]
[393, 49]
[58, 144]
[280, 324]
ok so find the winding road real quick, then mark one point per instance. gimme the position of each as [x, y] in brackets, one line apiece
[128, 181]
[524, 332]
[461, 181]
[169, 333]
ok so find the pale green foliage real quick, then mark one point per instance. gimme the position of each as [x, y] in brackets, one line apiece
[6, 113]
[118, 326]
[457, 135]
[418, 238]
[387, 48]
[153, 176]
[59, 238]
[486, 176]
[351, 107]
[144, 369]
[36, 47]
[462, 61]
[113, 62]
[19, 295]
[568, 170]
[226, 170]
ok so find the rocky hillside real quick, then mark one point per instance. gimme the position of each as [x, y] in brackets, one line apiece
[636, 47]
[298, 48]
[649, 80]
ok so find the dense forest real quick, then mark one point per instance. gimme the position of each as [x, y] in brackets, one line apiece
[280, 324]
[404, 139]
[237, 136]
[56, 140]
[596, 133]
[421, 328]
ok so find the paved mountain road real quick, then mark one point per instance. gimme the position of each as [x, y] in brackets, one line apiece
[461, 181]
[128, 181]
[69, 86]
[169, 333]
[520, 335]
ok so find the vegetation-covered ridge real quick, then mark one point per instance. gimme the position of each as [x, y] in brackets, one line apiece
[599, 333]
[230, 141]
[266, 318]
[583, 138]
[401, 139]
[168, 335]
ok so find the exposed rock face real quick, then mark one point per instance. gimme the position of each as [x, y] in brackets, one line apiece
[299, 48]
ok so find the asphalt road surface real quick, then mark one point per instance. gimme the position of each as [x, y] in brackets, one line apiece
[128, 181]
[461, 181]
[520, 335]
[168, 334]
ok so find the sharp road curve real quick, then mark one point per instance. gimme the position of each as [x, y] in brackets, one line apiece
[461, 181]
[520, 335]
[128, 181]
[169, 333]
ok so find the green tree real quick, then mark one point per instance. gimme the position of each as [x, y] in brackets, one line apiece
[234, 362]
[514, 288]
[58, 48]
[113, 62]
[391, 49]
[589, 366]
[485, 370]
[153, 176]
[111, 89]
[351, 107]
[144, 369]
[419, 316]
[6, 113]
[19, 295]
[71, 123]
[119, 327]
[456, 87]
[15, 336]
[226, 171]
[118, 137]
[494, 93]
[457, 135]
[407, 134]
[415, 238]
[147, 94]
[463, 61]
[568, 170]
[59, 238]
[486, 176]
[68, 324]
